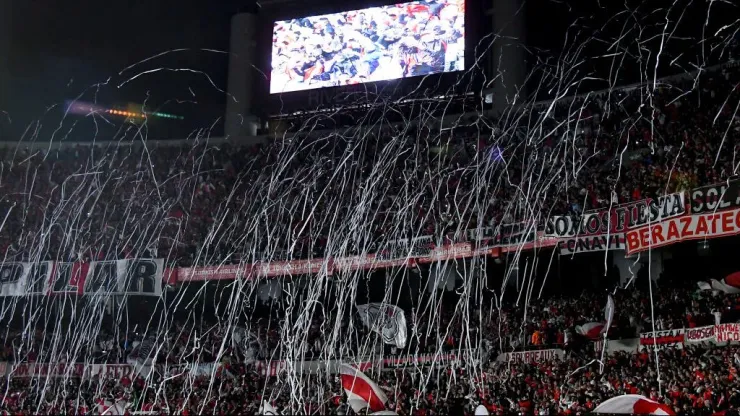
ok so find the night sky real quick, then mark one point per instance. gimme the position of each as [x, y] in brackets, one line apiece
[58, 50]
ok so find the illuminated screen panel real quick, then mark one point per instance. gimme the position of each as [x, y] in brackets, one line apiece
[374, 44]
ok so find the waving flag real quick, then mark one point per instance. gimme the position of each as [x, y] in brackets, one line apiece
[609, 313]
[268, 409]
[246, 342]
[591, 330]
[387, 320]
[633, 404]
[361, 391]
[142, 355]
[729, 285]
[106, 407]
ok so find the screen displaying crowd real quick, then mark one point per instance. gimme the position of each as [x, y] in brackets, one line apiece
[374, 44]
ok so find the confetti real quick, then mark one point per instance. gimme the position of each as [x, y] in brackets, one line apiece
[90, 235]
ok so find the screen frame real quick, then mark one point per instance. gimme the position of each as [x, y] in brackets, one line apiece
[398, 3]
[286, 102]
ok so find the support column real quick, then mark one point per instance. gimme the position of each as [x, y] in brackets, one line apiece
[509, 67]
[630, 267]
[6, 55]
[239, 119]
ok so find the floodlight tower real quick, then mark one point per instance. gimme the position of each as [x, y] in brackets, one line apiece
[240, 121]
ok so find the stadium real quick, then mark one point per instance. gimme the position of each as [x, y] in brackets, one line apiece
[412, 210]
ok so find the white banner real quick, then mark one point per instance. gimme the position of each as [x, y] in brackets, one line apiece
[701, 334]
[21, 279]
[591, 244]
[537, 356]
[387, 320]
[130, 277]
[727, 332]
[142, 356]
[116, 277]
[614, 345]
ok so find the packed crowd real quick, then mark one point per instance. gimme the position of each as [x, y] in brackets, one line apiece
[544, 323]
[696, 380]
[197, 204]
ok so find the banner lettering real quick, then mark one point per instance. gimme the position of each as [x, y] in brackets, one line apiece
[689, 227]
[662, 339]
[728, 332]
[28, 370]
[701, 334]
[531, 357]
[590, 244]
[617, 219]
[715, 197]
[116, 277]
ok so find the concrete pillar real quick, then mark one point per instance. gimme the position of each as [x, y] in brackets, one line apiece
[239, 119]
[509, 66]
[629, 267]
[6, 54]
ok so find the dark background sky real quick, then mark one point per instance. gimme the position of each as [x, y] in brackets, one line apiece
[58, 50]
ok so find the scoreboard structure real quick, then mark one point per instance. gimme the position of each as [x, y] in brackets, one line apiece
[292, 59]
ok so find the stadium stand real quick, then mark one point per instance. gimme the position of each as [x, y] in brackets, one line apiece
[164, 201]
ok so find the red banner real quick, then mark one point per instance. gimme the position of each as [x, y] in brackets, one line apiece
[224, 272]
[315, 266]
[690, 227]
[67, 370]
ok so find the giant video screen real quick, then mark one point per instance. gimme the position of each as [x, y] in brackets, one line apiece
[374, 44]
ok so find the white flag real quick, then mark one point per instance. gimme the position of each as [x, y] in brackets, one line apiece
[724, 287]
[106, 407]
[142, 355]
[609, 313]
[246, 342]
[387, 320]
[268, 409]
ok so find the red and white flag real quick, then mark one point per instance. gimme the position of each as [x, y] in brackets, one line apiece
[633, 404]
[591, 330]
[106, 407]
[729, 285]
[361, 391]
